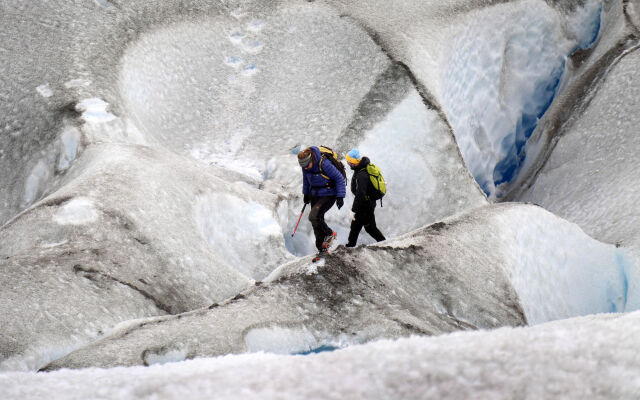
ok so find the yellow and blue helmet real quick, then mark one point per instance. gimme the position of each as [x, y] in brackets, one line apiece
[353, 157]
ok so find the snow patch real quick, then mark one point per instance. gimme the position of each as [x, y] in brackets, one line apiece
[164, 356]
[250, 70]
[234, 61]
[44, 90]
[40, 176]
[94, 110]
[238, 13]
[585, 23]
[280, 340]
[252, 46]
[104, 4]
[255, 25]
[78, 211]
[312, 268]
[76, 83]
[37, 357]
[225, 156]
[69, 141]
[236, 36]
[50, 245]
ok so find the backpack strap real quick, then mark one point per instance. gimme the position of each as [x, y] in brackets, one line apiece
[369, 184]
[322, 159]
[378, 179]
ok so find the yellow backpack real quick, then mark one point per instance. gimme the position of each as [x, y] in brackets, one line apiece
[329, 154]
[377, 182]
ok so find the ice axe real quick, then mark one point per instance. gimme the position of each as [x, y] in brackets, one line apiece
[301, 212]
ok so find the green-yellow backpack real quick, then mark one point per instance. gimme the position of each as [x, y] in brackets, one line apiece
[378, 187]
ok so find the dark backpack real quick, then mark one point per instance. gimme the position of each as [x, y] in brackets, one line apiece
[328, 154]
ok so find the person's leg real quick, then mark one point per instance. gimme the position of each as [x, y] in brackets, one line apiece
[370, 224]
[356, 227]
[320, 228]
[313, 218]
[373, 230]
[362, 219]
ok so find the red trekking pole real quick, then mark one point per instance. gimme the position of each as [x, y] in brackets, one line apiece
[294, 229]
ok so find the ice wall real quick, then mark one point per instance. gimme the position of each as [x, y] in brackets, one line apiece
[503, 72]
[591, 177]
[492, 69]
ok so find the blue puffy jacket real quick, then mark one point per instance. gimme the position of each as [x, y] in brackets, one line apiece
[315, 184]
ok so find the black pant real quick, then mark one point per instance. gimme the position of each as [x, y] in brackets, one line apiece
[365, 217]
[319, 206]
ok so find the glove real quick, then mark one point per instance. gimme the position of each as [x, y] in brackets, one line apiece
[353, 215]
[306, 199]
[340, 202]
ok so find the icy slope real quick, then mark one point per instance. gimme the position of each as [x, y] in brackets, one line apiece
[119, 242]
[112, 203]
[107, 216]
[591, 178]
[478, 270]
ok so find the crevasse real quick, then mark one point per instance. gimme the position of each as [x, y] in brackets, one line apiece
[501, 79]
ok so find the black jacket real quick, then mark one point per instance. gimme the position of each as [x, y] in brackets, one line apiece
[360, 184]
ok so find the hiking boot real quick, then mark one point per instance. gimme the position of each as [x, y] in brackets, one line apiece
[328, 240]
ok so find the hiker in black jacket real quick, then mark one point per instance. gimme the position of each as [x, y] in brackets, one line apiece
[363, 206]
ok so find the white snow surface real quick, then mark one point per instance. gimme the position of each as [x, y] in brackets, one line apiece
[94, 110]
[251, 87]
[593, 357]
[80, 210]
[280, 340]
[45, 90]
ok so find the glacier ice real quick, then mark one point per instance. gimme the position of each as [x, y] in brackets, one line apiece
[474, 271]
[141, 141]
[546, 361]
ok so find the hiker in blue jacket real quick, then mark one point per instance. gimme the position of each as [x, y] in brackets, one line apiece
[322, 186]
